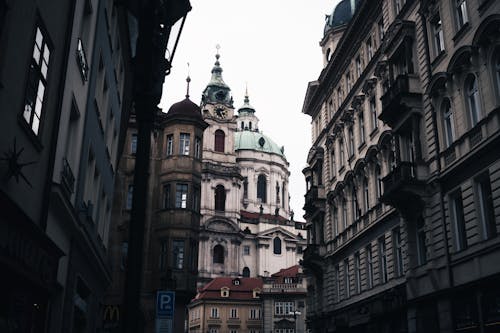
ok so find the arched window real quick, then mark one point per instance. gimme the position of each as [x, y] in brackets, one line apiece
[219, 141]
[335, 213]
[250, 125]
[261, 188]
[220, 198]
[496, 66]
[246, 272]
[366, 194]
[378, 177]
[242, 125]
[449, 129]
[218, 254]
[355, 206]
[277, 245]
[344, 213]
[472, 92]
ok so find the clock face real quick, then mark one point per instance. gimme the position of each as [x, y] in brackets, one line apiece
[220, 112]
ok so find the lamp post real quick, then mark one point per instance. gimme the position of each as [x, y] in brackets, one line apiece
[155, 19]
[295, 313]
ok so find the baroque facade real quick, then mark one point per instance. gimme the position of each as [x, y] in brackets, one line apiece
[403, 175]
[246, 226]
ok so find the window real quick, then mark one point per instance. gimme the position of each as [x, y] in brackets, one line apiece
[357, 272]
[373, 113]
[437, 31]
[220, 198]
[342, 154]
[421, 247]
[369, 49]
[381, 31]
[233, 331]
[133, 144]
[473, 99]
[378, 177]
[283, 195]
[181, 192]
[397, 6]
[347, 279]
[233, 313]
[162, 260]
[261, 188]
[214, 313]
[283, 308]
[213, 329]
[254, 313]
[197, 147]
[449, 128]
[398, 252]
[218, 254]
[358, 67]
[166, 196]
[184, 144]
[219, 140]
[246, 250]
[369, 266]
[339, 97]
[335, 214]
[246, 272]
[178, 254]
[130, 195]
[462, 16]
[382, 260]
[277, 193]
[37, 82]
[277, 245]
[355, 206]
[485, 207]
[458, 220]
[361, 124]
[337, 282]
[366, 194]
[333, 166]
[496, 62]
[193, 252]
[170, 144]
[351, 141]
[196, 199]
[344, 213]
[348, 81]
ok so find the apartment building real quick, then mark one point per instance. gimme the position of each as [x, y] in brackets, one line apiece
[402, 174]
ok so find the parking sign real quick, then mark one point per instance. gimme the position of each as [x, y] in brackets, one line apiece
[165, 304]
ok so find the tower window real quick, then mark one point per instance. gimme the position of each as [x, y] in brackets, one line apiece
[277, 245]
[218, 257]
[220, 198]
[219, 141]
[261, 188]
[246, 272]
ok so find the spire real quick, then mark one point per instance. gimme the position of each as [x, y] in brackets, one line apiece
[217, 91]
[188, 80]
[246, 108]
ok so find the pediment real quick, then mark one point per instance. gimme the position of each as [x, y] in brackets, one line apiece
[277, 230]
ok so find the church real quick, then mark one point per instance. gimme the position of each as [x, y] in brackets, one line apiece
[247, 227]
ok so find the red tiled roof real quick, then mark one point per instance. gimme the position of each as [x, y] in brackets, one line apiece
[287, 272]
[242, 291]
[255, 216]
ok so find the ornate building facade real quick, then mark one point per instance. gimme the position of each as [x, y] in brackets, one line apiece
[403, 176]
[246, 227]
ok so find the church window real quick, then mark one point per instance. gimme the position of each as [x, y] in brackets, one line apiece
[283, 195]
[220, 198]
[277, 245]
[250, 125]
[246, 250]
[219, 141]
[242, 125]
[245, 188]
[246, 272]
[277, 193]
[261, 188]
[218, 254]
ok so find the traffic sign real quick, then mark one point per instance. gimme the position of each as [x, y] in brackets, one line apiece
[165, 304]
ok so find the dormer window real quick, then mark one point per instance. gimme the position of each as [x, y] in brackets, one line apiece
[224, 292]
[236, 282]
[256, 293]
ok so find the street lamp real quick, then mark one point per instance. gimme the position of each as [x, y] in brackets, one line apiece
[295, 313]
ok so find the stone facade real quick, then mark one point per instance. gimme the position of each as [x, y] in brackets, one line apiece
[402, 199]
[246, 227]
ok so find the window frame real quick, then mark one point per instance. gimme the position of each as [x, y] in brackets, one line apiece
[184, 143]
[382, 252]
[448, 122]
[369, 266]
[170, 145]
[181, 196]
[398, 252]
[220, 198]
[457, 217]
[219, 141]
[262, 188]
[277, 246]
[473, 99]
[485, 206]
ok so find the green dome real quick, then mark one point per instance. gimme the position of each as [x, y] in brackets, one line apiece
[248, 140]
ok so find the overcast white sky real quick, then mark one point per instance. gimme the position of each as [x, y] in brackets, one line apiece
[273, 45]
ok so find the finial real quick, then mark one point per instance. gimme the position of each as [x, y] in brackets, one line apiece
[246, 100]
[188, 79]
[217, 55]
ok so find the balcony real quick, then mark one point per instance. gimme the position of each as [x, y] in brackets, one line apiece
[402, 99]
[403, 189]
[281, 288]
[314, 199]
[312, 259]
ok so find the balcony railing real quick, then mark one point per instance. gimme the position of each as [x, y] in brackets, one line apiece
[403, 96]
[314, 198]
[67, 178]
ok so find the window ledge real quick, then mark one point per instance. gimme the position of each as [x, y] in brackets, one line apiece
[461, 32]
[374, 132]
[438, 58]
[35, 139]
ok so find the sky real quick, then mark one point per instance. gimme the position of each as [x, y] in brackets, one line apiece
[270, 45]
